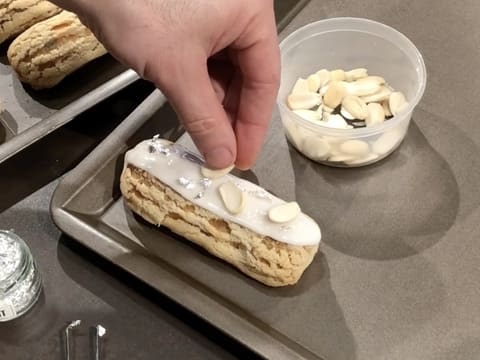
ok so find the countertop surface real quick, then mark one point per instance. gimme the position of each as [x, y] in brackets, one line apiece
[437, 233]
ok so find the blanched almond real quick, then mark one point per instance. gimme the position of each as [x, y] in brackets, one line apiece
[337, 75]
[363, 160]
[233, 198]
[327, 109]
[363, 87]
[346, 114]
[325, 116]
[355, 106]
[341, 158]
[334, 95]
[320, 110]
[309, 114]
[382, 94]
[376, 114]
[354, 147]
[215, 174]
[377, 79]
[324, 76]
[303, 101]
[284, 213]
[356, 74]
[313, 83]
[386, 108]
[323, 90]
[300, 87]
[315, 148]
[397, 102]
[336, 122]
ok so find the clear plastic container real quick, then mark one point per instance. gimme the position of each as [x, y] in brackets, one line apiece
[349, 43]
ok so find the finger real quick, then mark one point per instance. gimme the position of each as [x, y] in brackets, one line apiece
[189, 89]
[260, 66]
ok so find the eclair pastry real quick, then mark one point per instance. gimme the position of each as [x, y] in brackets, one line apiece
[47, 52]
[233, 219]
[18, 15]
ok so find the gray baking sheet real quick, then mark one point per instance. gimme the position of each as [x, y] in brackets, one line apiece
[31, 114]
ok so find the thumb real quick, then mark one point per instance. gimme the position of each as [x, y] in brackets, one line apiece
[189, 90]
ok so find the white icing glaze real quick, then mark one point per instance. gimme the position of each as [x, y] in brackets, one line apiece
[179, 169]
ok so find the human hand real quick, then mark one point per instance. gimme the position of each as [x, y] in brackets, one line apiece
[217, 61]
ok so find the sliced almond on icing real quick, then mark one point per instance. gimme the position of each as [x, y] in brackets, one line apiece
[363, 87]
[356, 74]
[397, 102]
[376, 114]
[309, 114]
[337, 75]
[300, 87]
[313, 83]
[355, 106]
[284, 213]
[233, 198]
[334, 95]
[382, 94]
[215, 174]
[303, 101]
[324, 76]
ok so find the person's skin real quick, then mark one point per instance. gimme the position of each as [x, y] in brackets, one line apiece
[217, 61]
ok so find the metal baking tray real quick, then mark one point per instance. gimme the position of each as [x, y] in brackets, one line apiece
[31, 114]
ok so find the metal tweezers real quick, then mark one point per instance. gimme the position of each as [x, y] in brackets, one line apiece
[100, 331]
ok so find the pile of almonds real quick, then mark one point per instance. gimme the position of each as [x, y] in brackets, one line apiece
[345, 99]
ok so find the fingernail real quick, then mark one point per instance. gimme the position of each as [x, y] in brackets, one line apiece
[219, 158]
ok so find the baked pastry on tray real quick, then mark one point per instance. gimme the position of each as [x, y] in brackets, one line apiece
[47, 52]
[18, 15]
[263, 236]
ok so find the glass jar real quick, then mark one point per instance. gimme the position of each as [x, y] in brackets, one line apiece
[20, 282]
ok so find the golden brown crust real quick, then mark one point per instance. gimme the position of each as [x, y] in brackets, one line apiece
[52, 49]
[18, 15]
[269, 261]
